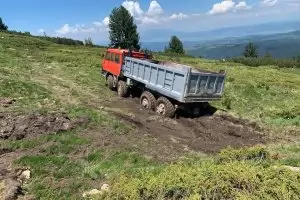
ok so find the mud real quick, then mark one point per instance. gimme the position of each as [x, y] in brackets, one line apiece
[6, 102]
[209, 133]
[17, 127]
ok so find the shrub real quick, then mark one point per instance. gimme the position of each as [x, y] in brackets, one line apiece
[57, 40]
[263, 61]
[234, 174]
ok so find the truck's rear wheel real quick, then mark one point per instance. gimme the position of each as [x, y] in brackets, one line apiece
[110, 82]
[148, 100]
[122, 89]
[165, 107]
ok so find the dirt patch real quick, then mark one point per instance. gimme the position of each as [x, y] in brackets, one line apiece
[11, 183]
[208, 133]
[16, 127]
[6, 102]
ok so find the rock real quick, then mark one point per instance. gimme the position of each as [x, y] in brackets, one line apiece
[12, 189]
[105, 187]
[27, 197]
[91, 193]
[2, 189]
[25, 175]
[169, 121]
[294, 169]
[154, 118]
[6, 102]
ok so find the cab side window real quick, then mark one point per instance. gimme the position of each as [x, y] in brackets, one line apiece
[117, 59]
[108, 56]
[112, 58]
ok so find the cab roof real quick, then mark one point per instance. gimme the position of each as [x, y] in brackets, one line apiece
[120, 51]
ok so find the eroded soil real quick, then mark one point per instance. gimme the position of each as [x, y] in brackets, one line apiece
[16, 127]
[208, 133]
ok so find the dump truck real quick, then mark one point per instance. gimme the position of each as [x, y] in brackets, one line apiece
[165, 86]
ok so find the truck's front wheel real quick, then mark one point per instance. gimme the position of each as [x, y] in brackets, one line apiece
[165, 107]
[148, 100]
[110, 82]
[122, 89]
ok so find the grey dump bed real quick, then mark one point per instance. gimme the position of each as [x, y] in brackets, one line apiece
[180, 82]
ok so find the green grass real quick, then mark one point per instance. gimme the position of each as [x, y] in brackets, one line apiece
[45, 77]
[59, 177]
[101, 164]
[251, 176]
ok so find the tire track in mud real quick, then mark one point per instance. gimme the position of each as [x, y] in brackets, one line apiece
[208, 133]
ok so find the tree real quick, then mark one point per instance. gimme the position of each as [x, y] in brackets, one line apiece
[3, 27]
[122, 30]
[88, 41]
[251, 51]
[175, 46]
[268, 55]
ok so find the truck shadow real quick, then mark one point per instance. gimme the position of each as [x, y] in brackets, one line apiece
[208, 110]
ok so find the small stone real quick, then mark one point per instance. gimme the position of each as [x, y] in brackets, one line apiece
[25, 175]
[153, 118]
[105, 187]
[294, 169]
[91, 193]
[13, 189]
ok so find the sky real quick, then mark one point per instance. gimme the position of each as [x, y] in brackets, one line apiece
[79, 19]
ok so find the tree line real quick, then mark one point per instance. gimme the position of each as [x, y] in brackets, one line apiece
[57, 40]
[251, 58]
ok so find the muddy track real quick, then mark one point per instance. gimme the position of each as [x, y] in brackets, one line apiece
[208, 133]
[17, 127]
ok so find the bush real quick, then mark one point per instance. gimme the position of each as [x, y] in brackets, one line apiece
[57, 40]
[263, 61]
[234, 174]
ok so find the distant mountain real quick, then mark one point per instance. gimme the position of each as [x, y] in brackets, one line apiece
[163, 35]
[160, 46]
[280, 45]
[157, 39]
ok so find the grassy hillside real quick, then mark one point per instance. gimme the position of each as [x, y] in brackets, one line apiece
[281, 45]
[114, 148]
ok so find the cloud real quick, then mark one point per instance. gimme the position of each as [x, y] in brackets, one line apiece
[222, 7]
[41, 30]
[268, 2]
[155, 9]
[178, 16]
[154, 14]
[242, 5]
[106, 21]
[133, 7]
[65, 29]
[227, 6]
[98, 24]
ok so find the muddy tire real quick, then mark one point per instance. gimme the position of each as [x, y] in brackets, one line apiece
[164, 107]
[110, 82]
[148, 100]
[122, 89]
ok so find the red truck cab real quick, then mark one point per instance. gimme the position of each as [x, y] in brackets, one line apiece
[113, 60]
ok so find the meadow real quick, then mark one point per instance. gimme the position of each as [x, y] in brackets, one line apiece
[44, 77]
